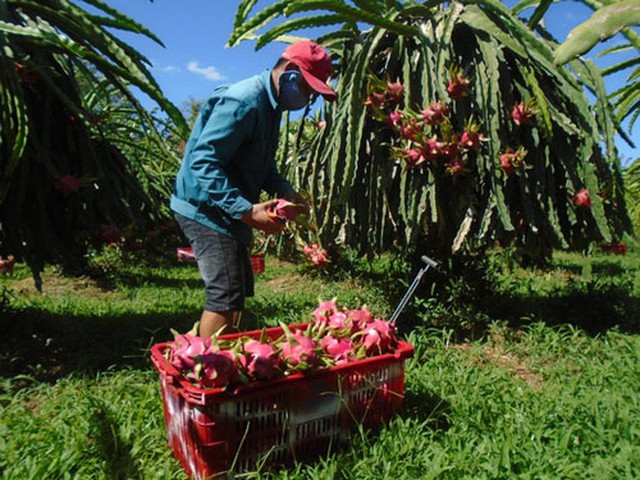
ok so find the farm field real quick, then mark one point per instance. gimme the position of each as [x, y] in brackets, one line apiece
[533, 394]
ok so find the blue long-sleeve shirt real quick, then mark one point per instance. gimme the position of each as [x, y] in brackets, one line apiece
[230, 157]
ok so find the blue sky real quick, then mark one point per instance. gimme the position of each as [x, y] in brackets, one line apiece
[195, 61]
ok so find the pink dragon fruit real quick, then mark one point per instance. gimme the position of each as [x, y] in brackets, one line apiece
[414, 157]
[458, 87]
[395, 118]
[582, 199]
[186, 348]
[317, 255]
[324, 311]
[513, 161]
[410, 129]
[338, 321]
[299, 352]
[432, 149]
[379, 337]
[286, 210]
[360, 318]
[262, 360]
[434, 113]
[522, 113]
[394, 93]
[339, 349]
[217, 370]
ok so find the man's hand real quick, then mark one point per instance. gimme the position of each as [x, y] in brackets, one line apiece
[258, 217]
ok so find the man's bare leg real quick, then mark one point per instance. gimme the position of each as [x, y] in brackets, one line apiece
[211, 322]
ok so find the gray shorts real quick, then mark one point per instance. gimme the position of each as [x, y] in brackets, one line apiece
[224, 266]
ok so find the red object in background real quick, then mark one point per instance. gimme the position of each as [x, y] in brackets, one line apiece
[617, 248]
[257, 263]
[186, 255]
[6, 265]
[212, 431]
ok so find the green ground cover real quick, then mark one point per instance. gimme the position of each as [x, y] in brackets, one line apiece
[535, 395]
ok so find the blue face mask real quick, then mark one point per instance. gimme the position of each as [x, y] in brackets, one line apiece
[291, 94]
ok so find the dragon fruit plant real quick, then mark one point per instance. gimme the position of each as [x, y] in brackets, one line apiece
[335, 336]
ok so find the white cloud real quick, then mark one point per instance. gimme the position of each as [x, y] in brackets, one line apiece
[210, 73]
[167, 68]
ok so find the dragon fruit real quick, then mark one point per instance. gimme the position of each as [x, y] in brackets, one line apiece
[394, 93]
[216, 370]
[379, 337]
[582, 199]
[341, 350]
[325, 310]
[316, 255]
[513, 161]
[394, 118]
[414, 157]
[299, 351]
[186, 348]
[360, 318]
[262, 360]
[286, 210]
[458, 87]
[434, 113]
[339, 321]
[522, 113]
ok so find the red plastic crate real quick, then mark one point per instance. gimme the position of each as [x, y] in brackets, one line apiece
[257, 263]
[265, 424]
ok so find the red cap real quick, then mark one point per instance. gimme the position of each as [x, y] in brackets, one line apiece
[315, 65]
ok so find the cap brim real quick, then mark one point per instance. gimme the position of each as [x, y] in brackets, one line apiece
[319, 86]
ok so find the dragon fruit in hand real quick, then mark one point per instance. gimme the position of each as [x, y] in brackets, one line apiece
[285, 210]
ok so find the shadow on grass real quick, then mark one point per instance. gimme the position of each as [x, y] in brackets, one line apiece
[147, 277]
[595, 312]
[427, 407]
[47, 346]
[114, 449]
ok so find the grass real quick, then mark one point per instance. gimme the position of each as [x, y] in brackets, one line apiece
[536, 396]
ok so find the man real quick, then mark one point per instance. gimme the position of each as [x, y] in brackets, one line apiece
[228, 161]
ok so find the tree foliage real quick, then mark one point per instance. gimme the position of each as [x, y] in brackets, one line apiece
[366, 198]
[80, 158]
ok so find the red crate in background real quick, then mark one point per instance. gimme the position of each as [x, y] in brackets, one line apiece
[213, 432]
[257, 263]
[185, 254]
